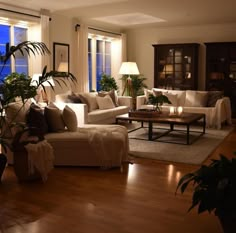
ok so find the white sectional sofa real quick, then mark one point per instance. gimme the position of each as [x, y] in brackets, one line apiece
[214, 105]
[90, 112]
[73, 144]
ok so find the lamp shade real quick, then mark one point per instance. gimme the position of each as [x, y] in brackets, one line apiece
[129, 68]
[35, 81]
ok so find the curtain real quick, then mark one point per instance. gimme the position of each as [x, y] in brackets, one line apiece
[82, 59]
[45, 37]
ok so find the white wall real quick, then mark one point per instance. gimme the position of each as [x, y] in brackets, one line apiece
[62, 30]
[140, 43]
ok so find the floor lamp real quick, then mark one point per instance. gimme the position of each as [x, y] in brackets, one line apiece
[128, 68]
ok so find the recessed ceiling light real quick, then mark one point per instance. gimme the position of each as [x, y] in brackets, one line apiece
[130, 19]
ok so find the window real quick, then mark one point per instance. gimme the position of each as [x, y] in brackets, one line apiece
[99, 60]
[12, 34]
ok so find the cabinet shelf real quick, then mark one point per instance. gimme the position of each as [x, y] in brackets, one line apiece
[176, 66]
[221, 69]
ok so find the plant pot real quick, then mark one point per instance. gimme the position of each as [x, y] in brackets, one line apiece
[228, 223]
[21, 166]
[3, 162]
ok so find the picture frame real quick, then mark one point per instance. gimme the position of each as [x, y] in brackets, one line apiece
[61, 57]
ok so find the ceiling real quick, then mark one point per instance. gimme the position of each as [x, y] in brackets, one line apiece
[127, 14]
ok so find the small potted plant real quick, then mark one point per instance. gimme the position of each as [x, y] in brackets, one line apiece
[108, 83]
[214, 190]
[158, 101]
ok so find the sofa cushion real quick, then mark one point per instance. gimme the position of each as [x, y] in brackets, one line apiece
[90, 100]
[69, 118]
[54, 118]
[196, 98]
[101, 116]
[16, 111]
[181, 95]
[36, 120]
[213, 96]
[73, 98]
[112, 94]
[173, 98]
[105, 102]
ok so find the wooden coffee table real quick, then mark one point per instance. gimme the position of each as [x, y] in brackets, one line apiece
[186, 119]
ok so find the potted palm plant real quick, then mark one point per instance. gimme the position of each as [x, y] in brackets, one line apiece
[19, 85]
[158, 101]
[214, 190]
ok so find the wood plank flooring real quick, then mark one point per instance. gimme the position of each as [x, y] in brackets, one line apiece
[139, 199]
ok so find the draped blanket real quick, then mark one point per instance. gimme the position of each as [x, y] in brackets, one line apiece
[40, 157]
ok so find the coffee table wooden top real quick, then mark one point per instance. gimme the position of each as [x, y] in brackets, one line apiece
[185, 118]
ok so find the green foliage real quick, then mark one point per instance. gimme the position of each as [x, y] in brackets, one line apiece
[158, 100]
[17, 85]
[108, 83]
[214, 187]
[137, 85]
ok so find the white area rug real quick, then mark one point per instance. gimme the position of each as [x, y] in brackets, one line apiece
[195, 153]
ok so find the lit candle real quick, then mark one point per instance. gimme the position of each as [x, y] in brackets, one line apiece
[180, 110]
[172, 110]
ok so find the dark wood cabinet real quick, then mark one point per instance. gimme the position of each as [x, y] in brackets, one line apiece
[176, 66]
[221, 69]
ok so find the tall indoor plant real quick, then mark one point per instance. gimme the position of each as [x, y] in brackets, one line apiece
[214, 190]
[19, 85]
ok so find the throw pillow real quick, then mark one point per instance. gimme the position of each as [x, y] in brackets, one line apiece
[69, 118]
[173, 98]
[54, 119]
[105, 102]
[90, 100]
[213, 96]
[147, 93]
[196, 98]
[201, 99]
[73, 98]
[36, 121]
[112, 94]
[16, 111]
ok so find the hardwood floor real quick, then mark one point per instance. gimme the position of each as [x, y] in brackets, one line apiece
[139, 199]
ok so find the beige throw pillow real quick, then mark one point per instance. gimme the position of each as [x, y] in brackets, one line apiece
[54, 119]
[173, 98]
[69, 118]
[112, 94]
[105, 102]
[196, 98]
[90, 100]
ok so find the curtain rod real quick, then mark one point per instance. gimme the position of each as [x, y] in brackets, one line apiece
[36, 16]
[100, 30]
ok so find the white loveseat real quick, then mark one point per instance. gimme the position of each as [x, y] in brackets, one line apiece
[90, 145]
[214, 105]
[91, 111]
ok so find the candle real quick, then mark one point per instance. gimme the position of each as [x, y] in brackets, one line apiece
[172, 110]
[180, 110]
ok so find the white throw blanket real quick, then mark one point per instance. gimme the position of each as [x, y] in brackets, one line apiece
[40, 156]
[109, 144]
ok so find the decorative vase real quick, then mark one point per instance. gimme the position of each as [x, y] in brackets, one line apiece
[3, 162]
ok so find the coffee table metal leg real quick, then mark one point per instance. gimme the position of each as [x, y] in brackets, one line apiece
[150, 127]
[187, 134]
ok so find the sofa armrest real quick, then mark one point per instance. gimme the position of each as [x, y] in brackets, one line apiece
[125, 101]
[223, 111]
[81, 111]
[140, 100]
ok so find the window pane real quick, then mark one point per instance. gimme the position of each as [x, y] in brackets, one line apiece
[21, 62]
[4, 38]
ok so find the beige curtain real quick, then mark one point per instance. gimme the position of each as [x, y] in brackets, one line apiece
[82, 59]
[44, 22]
